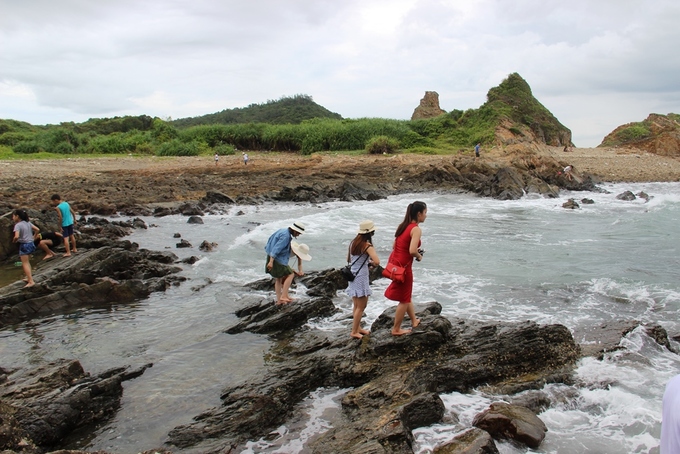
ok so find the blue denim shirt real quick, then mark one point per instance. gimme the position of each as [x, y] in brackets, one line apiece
[278, 246]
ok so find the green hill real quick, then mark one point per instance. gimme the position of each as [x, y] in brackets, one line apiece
[287, 110]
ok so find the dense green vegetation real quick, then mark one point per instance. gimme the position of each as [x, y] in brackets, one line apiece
[287, 110]
[294, 124]
[633, 132]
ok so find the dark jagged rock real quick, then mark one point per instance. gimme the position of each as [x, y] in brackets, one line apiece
[183, 244]
[395, 379]
[571, 204]
[138, 223]
[473, 441]
[190, 260]
[644, 195]
[503, 420]
[88, 278]
[217, 197]
[600, 339]
[190, 209]
[42, 406]
[207, 246]
[269, 318]
[627, 196]
[177, 235]
[195, 220]
[587, 201]
[506, 184]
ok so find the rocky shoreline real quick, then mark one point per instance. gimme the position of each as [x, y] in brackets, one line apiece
[395, 381]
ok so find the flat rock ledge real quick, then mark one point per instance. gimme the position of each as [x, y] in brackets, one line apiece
[103, 275]
[40, 407]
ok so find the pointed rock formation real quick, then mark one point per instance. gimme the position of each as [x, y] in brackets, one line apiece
[429, 107]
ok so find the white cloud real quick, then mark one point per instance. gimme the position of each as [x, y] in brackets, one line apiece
[594, 64]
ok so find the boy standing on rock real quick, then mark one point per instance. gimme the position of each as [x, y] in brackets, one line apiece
[67, 218]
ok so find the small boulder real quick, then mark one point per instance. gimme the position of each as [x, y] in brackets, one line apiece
[216, 197]
[183, 243]
[138, 223]
[571, 204]
[627, 196]
[513, 422]
[473, 441]
[207, 246]
[587, 201]
[177, 235]
[195, 220]
[424, 410]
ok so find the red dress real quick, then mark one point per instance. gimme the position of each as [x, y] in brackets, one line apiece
[401, 256]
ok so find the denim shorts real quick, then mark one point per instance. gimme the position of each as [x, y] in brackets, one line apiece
[26, 248]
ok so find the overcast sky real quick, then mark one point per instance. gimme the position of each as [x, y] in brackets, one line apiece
[595, 64]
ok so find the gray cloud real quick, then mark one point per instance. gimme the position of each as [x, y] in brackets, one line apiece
[591, 63]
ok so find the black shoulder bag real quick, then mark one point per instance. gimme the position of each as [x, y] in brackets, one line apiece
[346, 270]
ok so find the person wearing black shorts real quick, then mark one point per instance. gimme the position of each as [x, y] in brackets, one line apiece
[46, 240]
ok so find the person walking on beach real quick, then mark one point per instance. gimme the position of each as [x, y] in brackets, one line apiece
[362, 255]
[23, 234]
[245, 159]
[278, 253]
[46, 240]
[301, 252]
[406, 248]
[67, 219]
[217, 159]
[477, 150]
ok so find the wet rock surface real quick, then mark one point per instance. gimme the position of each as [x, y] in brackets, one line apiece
[41, 406]
[395, 380]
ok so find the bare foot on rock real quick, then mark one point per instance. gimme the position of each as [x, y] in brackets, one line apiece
[357, 335]
[401, 332]
[47, 257]
[415, 323]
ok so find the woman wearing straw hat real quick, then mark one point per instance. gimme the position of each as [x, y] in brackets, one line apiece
[361, 254]
[278, 254]
[301, 251]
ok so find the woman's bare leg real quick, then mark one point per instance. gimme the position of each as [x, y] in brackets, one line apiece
[398, 318]
[358, 312]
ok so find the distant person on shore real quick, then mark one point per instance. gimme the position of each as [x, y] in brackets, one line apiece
[568, 148]
[406, 248]
[301, 252]
[67, 219]
[362, 255]
[567, 172]
[245, 159]
[47, 240]
[477, 150]
[217, 159]
[23, 234]
[670, 417]
[278, 251]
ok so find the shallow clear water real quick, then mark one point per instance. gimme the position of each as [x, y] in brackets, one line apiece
[486, 260]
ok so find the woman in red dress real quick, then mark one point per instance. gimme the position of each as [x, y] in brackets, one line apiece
[406, 248]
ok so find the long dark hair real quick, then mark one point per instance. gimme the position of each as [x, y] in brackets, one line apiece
[360, 243]
[412, 212]
[22, 214]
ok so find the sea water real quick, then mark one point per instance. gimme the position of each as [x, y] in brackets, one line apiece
[485, 259]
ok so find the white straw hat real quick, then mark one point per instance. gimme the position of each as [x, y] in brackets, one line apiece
[299, 227]
[301, 250]
[366, 227]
